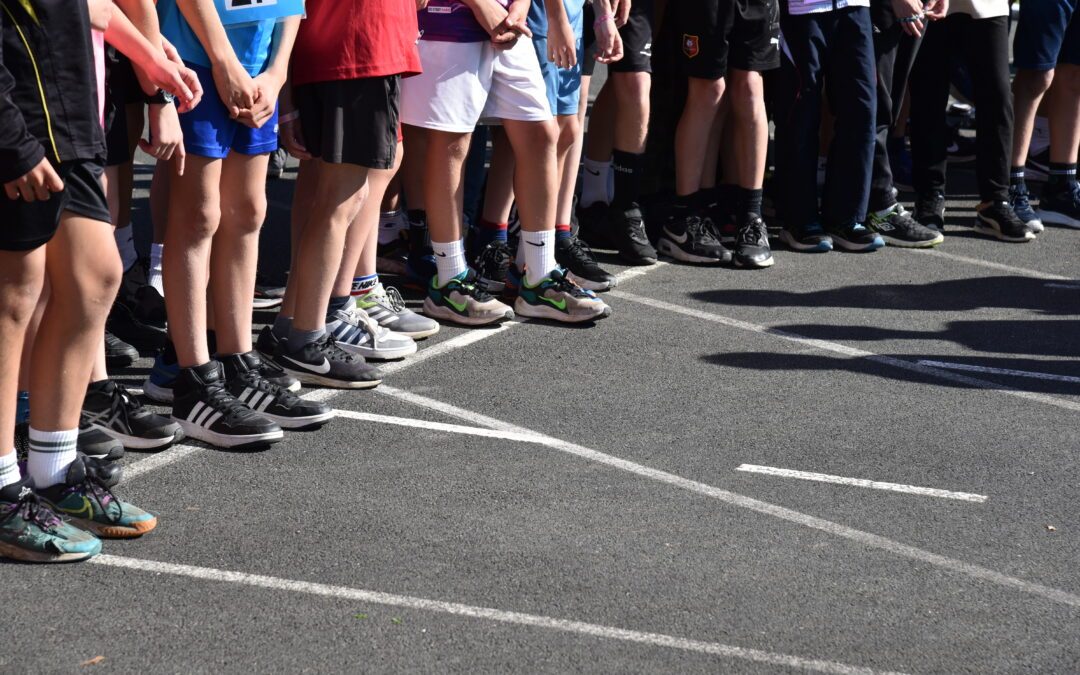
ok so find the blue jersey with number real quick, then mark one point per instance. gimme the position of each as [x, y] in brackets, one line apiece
[250, 41]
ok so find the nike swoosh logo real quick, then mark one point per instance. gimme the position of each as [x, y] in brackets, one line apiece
[540, 245]
[441, 255]
[594, 173]
[558, 304]
[459, 306]
[675, 238]
[322, 369]
[86, 512]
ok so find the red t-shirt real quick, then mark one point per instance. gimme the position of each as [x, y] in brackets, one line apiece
[353, 39]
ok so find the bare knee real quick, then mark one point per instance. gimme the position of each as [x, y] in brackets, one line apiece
[245, 215]
[1032, 83]
[701, 92]
[632, 89]
[539, 137]
[569, 128]
[196, 223]
[1067, 81]
[20, 290]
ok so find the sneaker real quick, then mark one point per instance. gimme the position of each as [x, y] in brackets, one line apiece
[358, 333]
[1061, 207]
[267, 345]
[244, 380]
[628, 227]
[725, 223]
[1020, 201]
[31, 532]
[752, 245]
[930, 211]
[898, 228]
[692, 240]
[324, 363]
[810, 238]
[492, 267]
[91, 505]
[856, 238]
[206, 411]
[420, 265]
[138, 314]
[558, 298]
[961, 148]
[109, 407]
[576, 257]
[158, 386]
[391, 258]
[94, 442]
[386, 306]
[267, 296]
[462, 301]
[998, 220]
[593, 225]
[118, 354]
[1037, 166]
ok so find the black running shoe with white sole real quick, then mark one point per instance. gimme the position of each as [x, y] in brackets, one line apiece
[752, 244]
[323, 363]
[118, 354]
[576, 258]
[998, 220]
[593, 225]
[492, 265]
[267, 346]
[109, 407]
[930, 211]
[206, 411]
[628, 227]
[898, 228]
[691, 239]
[856, 238]
[94, 442]
[244, 380]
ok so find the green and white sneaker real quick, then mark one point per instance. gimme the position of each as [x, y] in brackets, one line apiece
[90, 504]
[557, 298]
[387, 308]
[462, 301]
[31, 532]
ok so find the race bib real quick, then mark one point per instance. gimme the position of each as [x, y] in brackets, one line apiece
[237, 12]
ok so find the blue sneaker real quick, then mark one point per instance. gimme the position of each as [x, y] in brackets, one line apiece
[856, 237]
[1019, 200]
[31, 532]
[810, 238]
[158, 387]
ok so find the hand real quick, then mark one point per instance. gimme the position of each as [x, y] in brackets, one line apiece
[615, 52]
[291, 137]
[191, 79]
[235, 87]
[36, 185]
[910, 16]
[562, 45]
[269, 86]
[936, 9]
[100, 13]
[165, 74]
[421, 5]
[490, 15]
[166, 137]
[621, 9]
[514, 26]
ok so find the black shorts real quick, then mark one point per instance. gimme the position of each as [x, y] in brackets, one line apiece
[121, 88]
[351, 121]
[637, 36]
[717, 34]
[28, 225]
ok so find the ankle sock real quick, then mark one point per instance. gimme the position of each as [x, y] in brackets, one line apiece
[594, 182]
[1016, 175]
[562, 232]
[748, 201]
[336, 303]
[1062, 176]
[487, 232]
[364, 285]
[155, 278]
[449, 260]
[299, 338]
[391, 223]
[9, 469]
[686, 203]
[539, 250]
[627, 169]
[281, 327]
[51, 453]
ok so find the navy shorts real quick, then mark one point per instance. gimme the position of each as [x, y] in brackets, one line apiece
[210, 132]
[1047, 34]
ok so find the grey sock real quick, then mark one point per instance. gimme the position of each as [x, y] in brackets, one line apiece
[281, 326]
[298, 338]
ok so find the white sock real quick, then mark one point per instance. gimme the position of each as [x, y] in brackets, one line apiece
[1040, 136]
[156, 280]
[9, 469]
[391, 223]
[51, 453]
[594, 182]
[539, 254]
[125, 241]
[449, 259]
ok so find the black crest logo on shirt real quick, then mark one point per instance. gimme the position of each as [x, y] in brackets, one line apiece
[691, 45]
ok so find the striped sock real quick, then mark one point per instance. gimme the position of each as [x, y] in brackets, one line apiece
[562, 232]
[1062, 176]
[51, 452]
[9, 469]
[363, 285]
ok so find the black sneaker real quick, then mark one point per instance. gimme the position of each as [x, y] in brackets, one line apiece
[94, 442]
[930, 211]
[208, 412]
[276, 167]
[267, 346]
[998, 220]
[961, 148]
[576, 257]
[809, 238]
[244, 380]
[1061, 207]
[138, 314]
[325, 364]
[267, 295]
[898, 228]
[492, 267]
[118, 354]
[628, 228]
[391, 258]
[691, 239]
[593, 225]
[752, 245]
[856, 238]
[109, 407]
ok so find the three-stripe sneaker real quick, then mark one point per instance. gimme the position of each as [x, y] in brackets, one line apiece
[387, 307]
[244, 380]
[358, 333]
[109, 407]
[206, 411]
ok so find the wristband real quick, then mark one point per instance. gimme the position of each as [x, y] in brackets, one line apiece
[602, 19]
[160, 97]
[289, 117]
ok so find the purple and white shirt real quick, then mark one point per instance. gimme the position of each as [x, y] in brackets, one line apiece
[452, 21]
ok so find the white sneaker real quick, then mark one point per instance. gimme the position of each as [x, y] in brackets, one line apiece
[358, 333]
[387, 308]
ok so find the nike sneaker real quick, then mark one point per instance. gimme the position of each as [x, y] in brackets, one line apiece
[385, 305]
[998, 220]
[1061, 206]
[324, 363]
[628, 227]
[752, 245]
[138, 314]
[1020, 201]
[898, 228]
[557, 298]
[32, 532]
[576, 258]
[118, 354]
[462, 301]
[809, 238]
[691, 239]
[244, 380]
[206, 411]
[267, 296]
[358, 333]
[492, 265]
[109, 407]
[961, 148]
[92, 506]
[930, 211]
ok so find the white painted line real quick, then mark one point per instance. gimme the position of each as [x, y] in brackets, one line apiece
[1000, 371]
[861, 482]
[990, 265]
[741, 501]
[439, 426]
[467, 338]
[483, 613]
[1071, 287]
[851, 352]
[162, 459]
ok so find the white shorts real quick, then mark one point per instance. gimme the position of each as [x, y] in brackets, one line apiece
[466, 82]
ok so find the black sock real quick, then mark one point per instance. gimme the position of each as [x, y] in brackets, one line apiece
[338, 303]
[684, 203]
[1016, 175]
[1062, 176]
[748, 202]
[628, 168]
[417, 218]
[211, 341]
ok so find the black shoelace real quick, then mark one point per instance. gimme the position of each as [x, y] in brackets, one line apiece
[580, 252]
[701, 231]
[473, 290]
[753, 233]
[494, 261]
[32, 510]
[328, 347]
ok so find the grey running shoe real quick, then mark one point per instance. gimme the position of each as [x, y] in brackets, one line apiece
[386, 306]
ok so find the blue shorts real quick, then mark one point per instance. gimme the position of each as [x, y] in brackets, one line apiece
[210, 132]
[563, 86]
[1047, 34]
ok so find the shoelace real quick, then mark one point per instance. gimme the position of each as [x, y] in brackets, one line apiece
[753, 233]
[701, 230]
[580, 252]
[393, 299]
[636, 229]
[469, 287]
[329, 348]
[494, 260]
[560, 282]
[124, 403]
[32, 510]
[102, 494]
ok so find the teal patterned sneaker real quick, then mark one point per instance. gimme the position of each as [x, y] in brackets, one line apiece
[462, 301]
[30, 532]
[557, 298]
[84, 498]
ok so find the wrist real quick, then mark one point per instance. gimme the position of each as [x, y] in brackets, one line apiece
[601, 20]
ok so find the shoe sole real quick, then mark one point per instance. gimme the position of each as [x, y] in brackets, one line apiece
[157, 394]
[313, 380]
[112, 455]
[12, 552]
[139, 443]
[796, 245]
[442, 313]
[192, 430]
[1056, 218]
[380, 354]
[903, 243]
[991, 231]
[640, 261]
[420, 334]
[598, 286]
[551, 314]
[852, 247]
[115, 531]
[299, 422]
[673, 251]
[753, 265]
[265, 303]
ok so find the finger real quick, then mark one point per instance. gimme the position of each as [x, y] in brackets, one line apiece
[25, 190]
[11, 191]
[180, 88]
[52, 180]
[524, 30]
[180, 157]
[41, 192]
